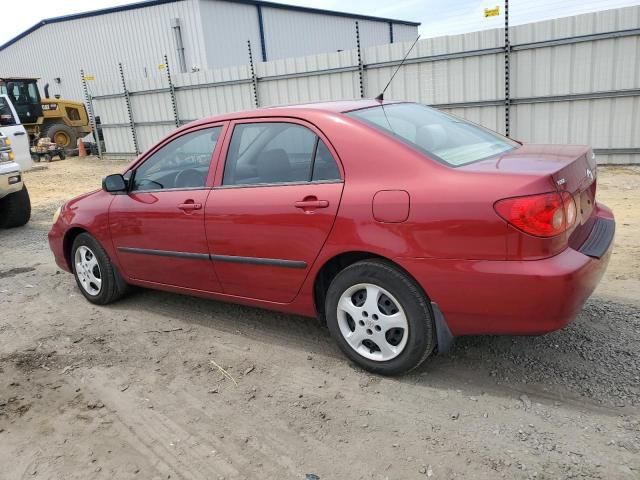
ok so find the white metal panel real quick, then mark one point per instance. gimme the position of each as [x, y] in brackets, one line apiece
[226, 28]
[295, 34]
[404, 33]
[440, 81]
[585, 24]
[328, 86]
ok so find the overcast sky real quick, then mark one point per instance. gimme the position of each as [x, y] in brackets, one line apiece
[438, 17]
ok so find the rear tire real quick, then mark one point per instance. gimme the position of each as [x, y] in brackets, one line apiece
[15, 209]
[62, 135]
[97, 278]
[389, 334]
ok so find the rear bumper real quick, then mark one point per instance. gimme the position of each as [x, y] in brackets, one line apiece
[513, 297]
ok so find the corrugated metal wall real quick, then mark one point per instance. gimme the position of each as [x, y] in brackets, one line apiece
[574, 80]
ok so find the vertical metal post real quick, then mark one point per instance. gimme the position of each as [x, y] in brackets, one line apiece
[92, 117]
[172, 92]
[507, 77]
[127, 99]
[360, 64]
[254, 79]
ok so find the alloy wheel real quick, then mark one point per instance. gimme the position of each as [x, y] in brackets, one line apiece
[88, 270]
[373, 322]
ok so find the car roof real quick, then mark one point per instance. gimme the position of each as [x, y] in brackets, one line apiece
[339, 106]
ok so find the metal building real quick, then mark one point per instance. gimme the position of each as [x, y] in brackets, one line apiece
[195, 34]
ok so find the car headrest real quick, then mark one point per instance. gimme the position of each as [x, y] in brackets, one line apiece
[273, 166]
[431, 137]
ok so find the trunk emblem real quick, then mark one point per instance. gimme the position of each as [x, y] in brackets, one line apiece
[589, 174]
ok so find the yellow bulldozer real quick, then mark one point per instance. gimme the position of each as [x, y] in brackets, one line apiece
[63, 121]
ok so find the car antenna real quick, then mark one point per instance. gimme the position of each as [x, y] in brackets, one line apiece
[380, 97]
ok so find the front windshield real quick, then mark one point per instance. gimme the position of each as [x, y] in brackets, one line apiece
[449, 139]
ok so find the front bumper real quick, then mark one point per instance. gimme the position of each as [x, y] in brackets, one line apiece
[479, 297]
[10, 178]
[56, 243]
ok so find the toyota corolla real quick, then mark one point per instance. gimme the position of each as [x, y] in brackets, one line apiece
[399, 226]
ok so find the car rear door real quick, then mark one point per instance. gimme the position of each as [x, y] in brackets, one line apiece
[11, 127]
[273, 207]
[157, 227]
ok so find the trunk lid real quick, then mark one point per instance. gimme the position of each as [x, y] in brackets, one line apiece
[544, 168]
[571, 168]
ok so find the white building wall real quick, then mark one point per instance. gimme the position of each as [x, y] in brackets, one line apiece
[404, 33]
[138, 38]
[226, 27]
[295, 34]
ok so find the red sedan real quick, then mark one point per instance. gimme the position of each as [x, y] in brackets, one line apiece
[400, 226]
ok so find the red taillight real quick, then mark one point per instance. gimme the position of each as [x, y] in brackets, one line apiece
[544, 215]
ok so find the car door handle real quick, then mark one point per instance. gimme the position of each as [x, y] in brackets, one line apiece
[311, 203]
[18, 133]
[190, 206]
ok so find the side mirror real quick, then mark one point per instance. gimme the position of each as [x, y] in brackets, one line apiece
[114, 183]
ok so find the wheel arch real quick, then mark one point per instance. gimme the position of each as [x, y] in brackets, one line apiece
[339, 262]
[67, 243]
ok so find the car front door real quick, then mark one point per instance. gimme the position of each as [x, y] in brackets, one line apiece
[11, 127]
[272, 209]
[157, 227]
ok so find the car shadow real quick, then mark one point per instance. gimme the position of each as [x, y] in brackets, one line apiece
[595, 359]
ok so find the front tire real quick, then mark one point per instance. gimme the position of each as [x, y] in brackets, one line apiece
[15, 209]
[380, 317]
[97, 278]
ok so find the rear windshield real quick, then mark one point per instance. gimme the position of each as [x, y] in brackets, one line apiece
[449, 139]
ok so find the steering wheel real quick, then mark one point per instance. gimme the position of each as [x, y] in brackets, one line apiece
[189, 178]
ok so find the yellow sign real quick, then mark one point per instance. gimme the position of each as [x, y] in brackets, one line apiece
[161, 66]
[89, 77]
[492, 12]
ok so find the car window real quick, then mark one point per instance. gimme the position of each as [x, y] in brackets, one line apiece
[182, 163]
[446, 138]
[273, 152]
[277, 152]
[324, 166]
[6, 116]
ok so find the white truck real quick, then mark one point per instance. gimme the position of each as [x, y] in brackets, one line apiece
[11, 128]
[15, 205]
[15, 158]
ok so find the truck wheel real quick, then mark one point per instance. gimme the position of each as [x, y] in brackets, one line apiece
[15, 209]
[61, 134]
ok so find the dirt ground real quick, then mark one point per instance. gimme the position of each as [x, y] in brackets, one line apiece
[133, 390]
